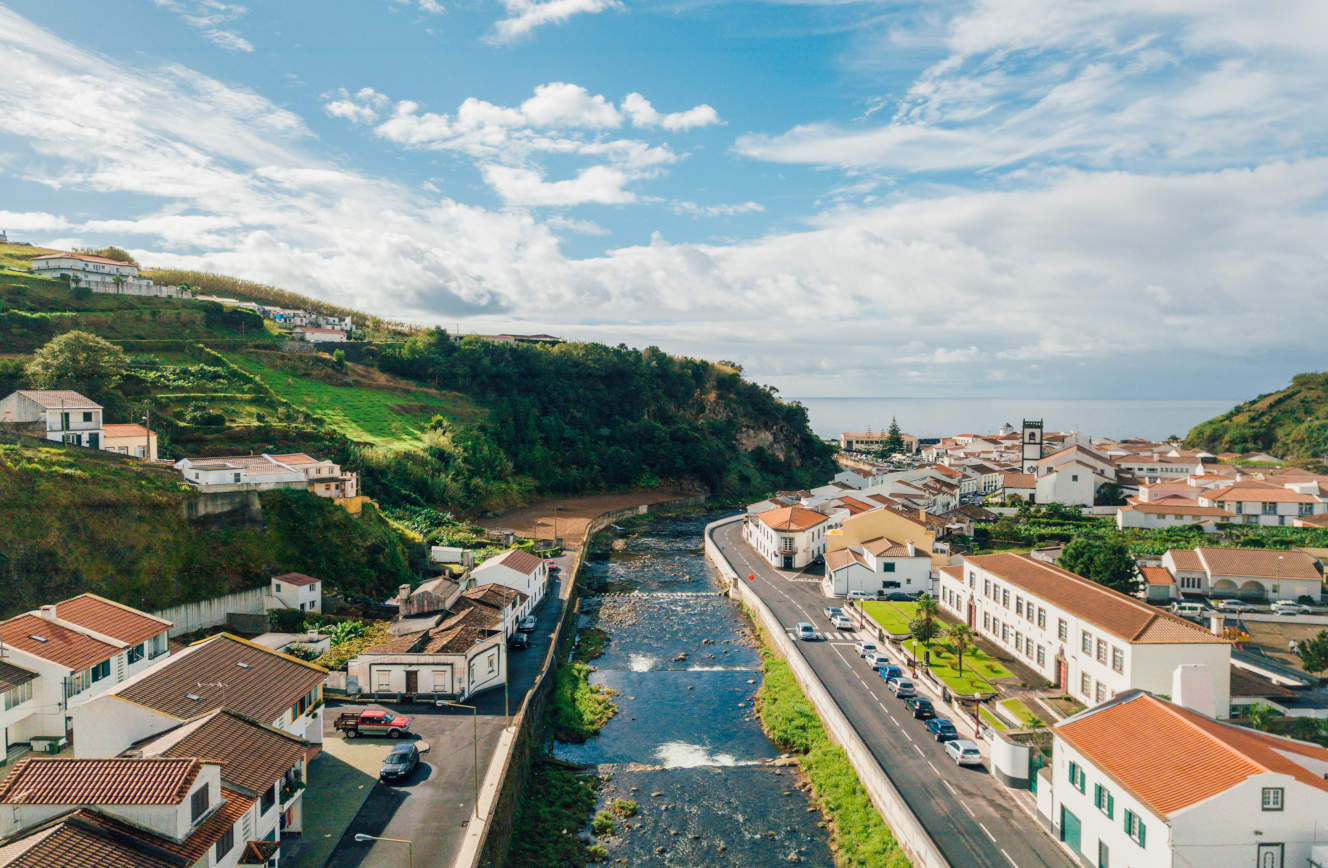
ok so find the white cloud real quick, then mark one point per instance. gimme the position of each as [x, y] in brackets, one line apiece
[730, 210]
[432, 7]
[643, 114]
[31, 221]
[362, 107]
[525, 16]
[598, 184]
[571, 224]
[208, 16]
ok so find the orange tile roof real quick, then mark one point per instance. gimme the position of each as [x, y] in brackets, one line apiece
[71, 842]
[84, 257]
[840, 558]
[125, 429]
[522, 562]
[110, 618]
[195, 847]
[59, 399]
[855, 506]
[791, 518]
[113, 781]
[888, 548]
[1157, 576]
[1019, 480]
[1171, 758]
[1186, 559]
[298, 579]
[61, 645]
[1258, 492]
[1259, 563]
[1178, 506]
[253, 756]
[1123, 616]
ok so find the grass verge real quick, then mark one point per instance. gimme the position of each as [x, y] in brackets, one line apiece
[1022, 713]
[978, 667]
[556, 804]
[992, 720]
[590, 643]
[858, 834]
[893, 617]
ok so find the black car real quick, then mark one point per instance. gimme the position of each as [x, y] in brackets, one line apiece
[900, 597]
[921, 707]
[400, 763]
[518, 641]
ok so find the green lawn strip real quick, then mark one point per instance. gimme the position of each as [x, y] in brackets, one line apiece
[992, 720]
[892, 617]
[577, 708]
[1021, 712]
[943, 667]
[857, 831]
[555, 805]
[378, 416]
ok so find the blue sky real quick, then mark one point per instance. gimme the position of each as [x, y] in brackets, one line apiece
[1003, 197]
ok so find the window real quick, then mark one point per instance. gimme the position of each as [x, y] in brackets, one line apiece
[225, 843]
[1005, 599]
[887, 567]
[1270, 509]
[1005, 632]
[159, 645]
[1101, 693]
[1041, 656]
[1019, 605]
[80, 681]
[276, 587]
[1077, 777]
[1117, 659]
[1103, 800]
[1086, 642]
[1042, 618]
[1019, 641]
[1102, 651]
[1062, 629]
[198, 804]
[87, 416]
[101, 670]
[1272, 798]
[1085, 686]
[986, 587]
[1074, 477]
[136, 653]
[269, 799]
[18, 695]
[1134, 827]
[986, 620]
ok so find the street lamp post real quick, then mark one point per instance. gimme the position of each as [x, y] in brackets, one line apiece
[476, 744]
[410, 845]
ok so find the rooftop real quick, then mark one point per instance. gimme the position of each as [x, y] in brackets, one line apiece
[54, 642]
[1170, 758]
[110, 618]
[791, 518]
[72, 842]
[252, 755]
[515, 559]
[298, 579]
[59, 399]
[84, 257]
[1259, 563]
[110, 781]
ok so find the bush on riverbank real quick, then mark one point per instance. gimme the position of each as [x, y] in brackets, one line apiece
[578, 709]
[555, 807]
[857, 831]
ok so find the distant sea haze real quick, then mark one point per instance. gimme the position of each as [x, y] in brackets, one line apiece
[940, 417]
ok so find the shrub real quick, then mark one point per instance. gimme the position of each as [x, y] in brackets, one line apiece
[286, 620]
[302, 652]
[596, 853]
[624, 807]
[603, 823]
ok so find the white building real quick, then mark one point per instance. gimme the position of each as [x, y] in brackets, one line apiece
[61, 415]
[518, 570]
[1256, 502]
[263, 472]
[462, 656]
[101, 275]
[321, 335]
[1171, 512]
[297, 591]
[875, 567]
[1072, 476]
[1086, 639]
[1257, 574]
[790, 537]
[64, 655]
[1143, 782]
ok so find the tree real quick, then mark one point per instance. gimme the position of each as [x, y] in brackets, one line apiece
[339, 359]
[1110, 494]
[119, 254]
[923, 626]
[1104, 558]
[1260, 717]
[960, 640]
[1314, 653]
[894, 442]
[80, 361]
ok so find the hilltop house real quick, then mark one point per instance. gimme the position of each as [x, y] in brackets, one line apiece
[129, 439]
[297, 591]
[61, 415]
[262, 472]
[101, 275]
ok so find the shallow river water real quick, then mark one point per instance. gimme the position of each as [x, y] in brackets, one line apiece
[686, 744]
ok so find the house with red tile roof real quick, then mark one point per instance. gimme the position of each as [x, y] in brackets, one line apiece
[1256, 501]
[877, 567]
[1254, 574]
[1172, 511]
[521, 571]
[1145, 782]
[791, 537]
[1087, 639]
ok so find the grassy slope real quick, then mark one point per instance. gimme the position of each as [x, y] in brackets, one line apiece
[383, 411]
[79, 520]
[1289, 423]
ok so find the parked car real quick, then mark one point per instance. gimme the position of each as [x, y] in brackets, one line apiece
[888, 671]
[833, 612]
[841, 622]
[806, 632]
[921, 707]
[876, 659]
[863, 647]
[1188, 610]
[372, 721]
[1290, 607]
[1235, 606]
[518, 641]
[963, 752]
[861, 595]
[901, 687]
[527, 624]
[943, 729]
[552, 566]
[400, 763]
[900, 597]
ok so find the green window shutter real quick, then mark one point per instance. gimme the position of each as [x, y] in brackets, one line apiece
[1074, 775]
[1141, 832]
[1111, 805]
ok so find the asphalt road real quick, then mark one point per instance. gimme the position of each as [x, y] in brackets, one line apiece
[434, 806]
[972, 821]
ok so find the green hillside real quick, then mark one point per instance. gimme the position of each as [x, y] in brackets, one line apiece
[1289, 423]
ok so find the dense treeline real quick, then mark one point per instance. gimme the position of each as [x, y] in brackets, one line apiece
[581, 417]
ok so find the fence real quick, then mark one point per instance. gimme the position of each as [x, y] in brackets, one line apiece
[188, 617]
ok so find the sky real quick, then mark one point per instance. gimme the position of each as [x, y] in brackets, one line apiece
[1055, 198]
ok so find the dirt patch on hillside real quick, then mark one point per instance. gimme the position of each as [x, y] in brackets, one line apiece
[574, 514]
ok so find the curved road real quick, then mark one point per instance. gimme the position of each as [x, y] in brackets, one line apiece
[972, 821]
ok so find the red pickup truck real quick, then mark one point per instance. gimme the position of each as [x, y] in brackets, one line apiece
[372, 721]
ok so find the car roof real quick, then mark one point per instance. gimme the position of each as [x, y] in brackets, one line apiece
[401, 749]
[963, 744]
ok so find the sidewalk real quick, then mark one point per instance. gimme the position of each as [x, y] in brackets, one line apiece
[341, 778]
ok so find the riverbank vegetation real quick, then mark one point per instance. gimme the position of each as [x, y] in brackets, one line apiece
[578, 709]
[858, 834]
[555, 805]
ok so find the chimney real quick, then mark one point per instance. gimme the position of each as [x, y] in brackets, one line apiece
[403, 594]
[47, 612]
[1192, 688]
[922, 515]
[912, 549]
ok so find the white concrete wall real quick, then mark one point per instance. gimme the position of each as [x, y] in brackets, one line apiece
[1225, 832]
[107, 725]
[188, 617]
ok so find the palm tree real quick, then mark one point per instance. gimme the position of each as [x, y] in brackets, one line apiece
[1260, 717]
[926, 616]
[961, 638]
[119, 282]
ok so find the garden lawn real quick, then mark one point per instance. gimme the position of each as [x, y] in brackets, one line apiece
[992, 720]
[977, 668]
[383, 417]
[1020, 712]
[892, 617]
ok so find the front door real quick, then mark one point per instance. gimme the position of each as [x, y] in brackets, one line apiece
[1070, 829]
[788, 562]
[412, 681]
[972, 615]
[1270, 855]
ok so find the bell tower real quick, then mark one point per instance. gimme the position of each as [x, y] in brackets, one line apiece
[1031, 444]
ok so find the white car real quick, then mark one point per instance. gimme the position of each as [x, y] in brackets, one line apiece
[1290, 607]
[875, 659]
[806, 632]
[901, 687]
[861, 595]
[863, 647]
[963, 752]
[527, 624]
[1234, 606]
[841, 622]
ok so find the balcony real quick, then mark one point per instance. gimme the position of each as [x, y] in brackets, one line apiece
[292, 785]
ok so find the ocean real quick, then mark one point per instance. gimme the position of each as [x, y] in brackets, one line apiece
[939, 417]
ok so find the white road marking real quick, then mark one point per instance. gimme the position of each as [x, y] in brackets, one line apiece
[984, 828]
[919, 750]
[967, 808]
[949, 786]
[933, 768]
[1008, 859]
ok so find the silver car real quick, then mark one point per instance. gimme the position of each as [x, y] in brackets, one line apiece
[963, 752]
[806, 632]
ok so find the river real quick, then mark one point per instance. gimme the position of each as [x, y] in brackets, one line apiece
[686, 744]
